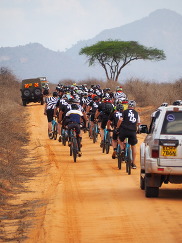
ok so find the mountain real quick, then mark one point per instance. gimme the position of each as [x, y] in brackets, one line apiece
[161, 29]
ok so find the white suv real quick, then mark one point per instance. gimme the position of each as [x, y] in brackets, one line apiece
[161, 151]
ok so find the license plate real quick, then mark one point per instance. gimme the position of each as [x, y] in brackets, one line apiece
[168, 151]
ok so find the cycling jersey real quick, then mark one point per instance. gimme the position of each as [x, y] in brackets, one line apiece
[130, 119]
[74, 116]
[114, 117]
[119, 95]
[51, 102]
[94, 106]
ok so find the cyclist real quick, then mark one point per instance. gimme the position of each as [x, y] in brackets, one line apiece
[127, 126]
[119, 94]
[112, 122]
[105, 108]
[91, 109]
[72, 120]
[50, 104]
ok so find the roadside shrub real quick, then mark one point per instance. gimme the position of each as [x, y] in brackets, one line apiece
[13, 135]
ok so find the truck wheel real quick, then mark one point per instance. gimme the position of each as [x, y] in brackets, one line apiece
[26, 93]
[37, 91]
[24, 102]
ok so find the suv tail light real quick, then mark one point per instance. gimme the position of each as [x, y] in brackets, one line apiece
[155, 149]
[155, 153]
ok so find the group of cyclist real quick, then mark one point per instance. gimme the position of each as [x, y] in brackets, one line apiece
[77, 105]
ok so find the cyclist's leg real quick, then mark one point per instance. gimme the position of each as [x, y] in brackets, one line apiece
[50, 114]
[132, 140]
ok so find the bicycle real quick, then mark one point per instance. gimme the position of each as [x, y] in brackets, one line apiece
[74, 145]
[107, 141]
[54, 133]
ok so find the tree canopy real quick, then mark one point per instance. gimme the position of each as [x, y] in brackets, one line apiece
[114, 55]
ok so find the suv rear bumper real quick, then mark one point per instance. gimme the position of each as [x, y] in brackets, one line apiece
[152, 166]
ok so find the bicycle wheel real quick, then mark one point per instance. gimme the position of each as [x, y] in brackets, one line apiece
[94, 134]
[128, 160]
[107, 142]
[75, 149]
[71, 149]
[63, 139]
[119, 157]
[104, 146]
[55, 132]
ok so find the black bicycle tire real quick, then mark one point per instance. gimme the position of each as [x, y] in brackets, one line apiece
[119, 161]
[103, 147]
[128, 161]
[71, 149]
[64, 141]
[75, 149]
[107, 143]
[119, 157]
[55, 132]
[94, 134]
[126, 158]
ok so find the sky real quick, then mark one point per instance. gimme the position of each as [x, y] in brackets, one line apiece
[59, 24]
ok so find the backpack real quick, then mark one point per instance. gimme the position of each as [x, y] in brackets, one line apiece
[108, 108]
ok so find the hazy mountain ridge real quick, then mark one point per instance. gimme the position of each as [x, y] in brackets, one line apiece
[161, 29]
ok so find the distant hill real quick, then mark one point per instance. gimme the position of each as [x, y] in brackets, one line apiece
[161, 29]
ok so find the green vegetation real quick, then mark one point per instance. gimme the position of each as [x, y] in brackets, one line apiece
[113, 56]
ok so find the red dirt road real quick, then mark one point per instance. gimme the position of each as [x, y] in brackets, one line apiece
[91, 201]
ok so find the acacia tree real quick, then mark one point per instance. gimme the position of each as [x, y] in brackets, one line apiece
[114, 55]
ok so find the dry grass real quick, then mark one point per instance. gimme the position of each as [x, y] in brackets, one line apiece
[14, 171]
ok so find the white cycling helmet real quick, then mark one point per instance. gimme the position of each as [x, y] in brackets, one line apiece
[131, 103]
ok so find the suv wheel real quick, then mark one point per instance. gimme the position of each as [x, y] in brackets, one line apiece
[151, 191]
[142, 183]
[26, 93]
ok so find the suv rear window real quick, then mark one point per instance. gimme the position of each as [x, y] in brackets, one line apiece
[172, 123]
